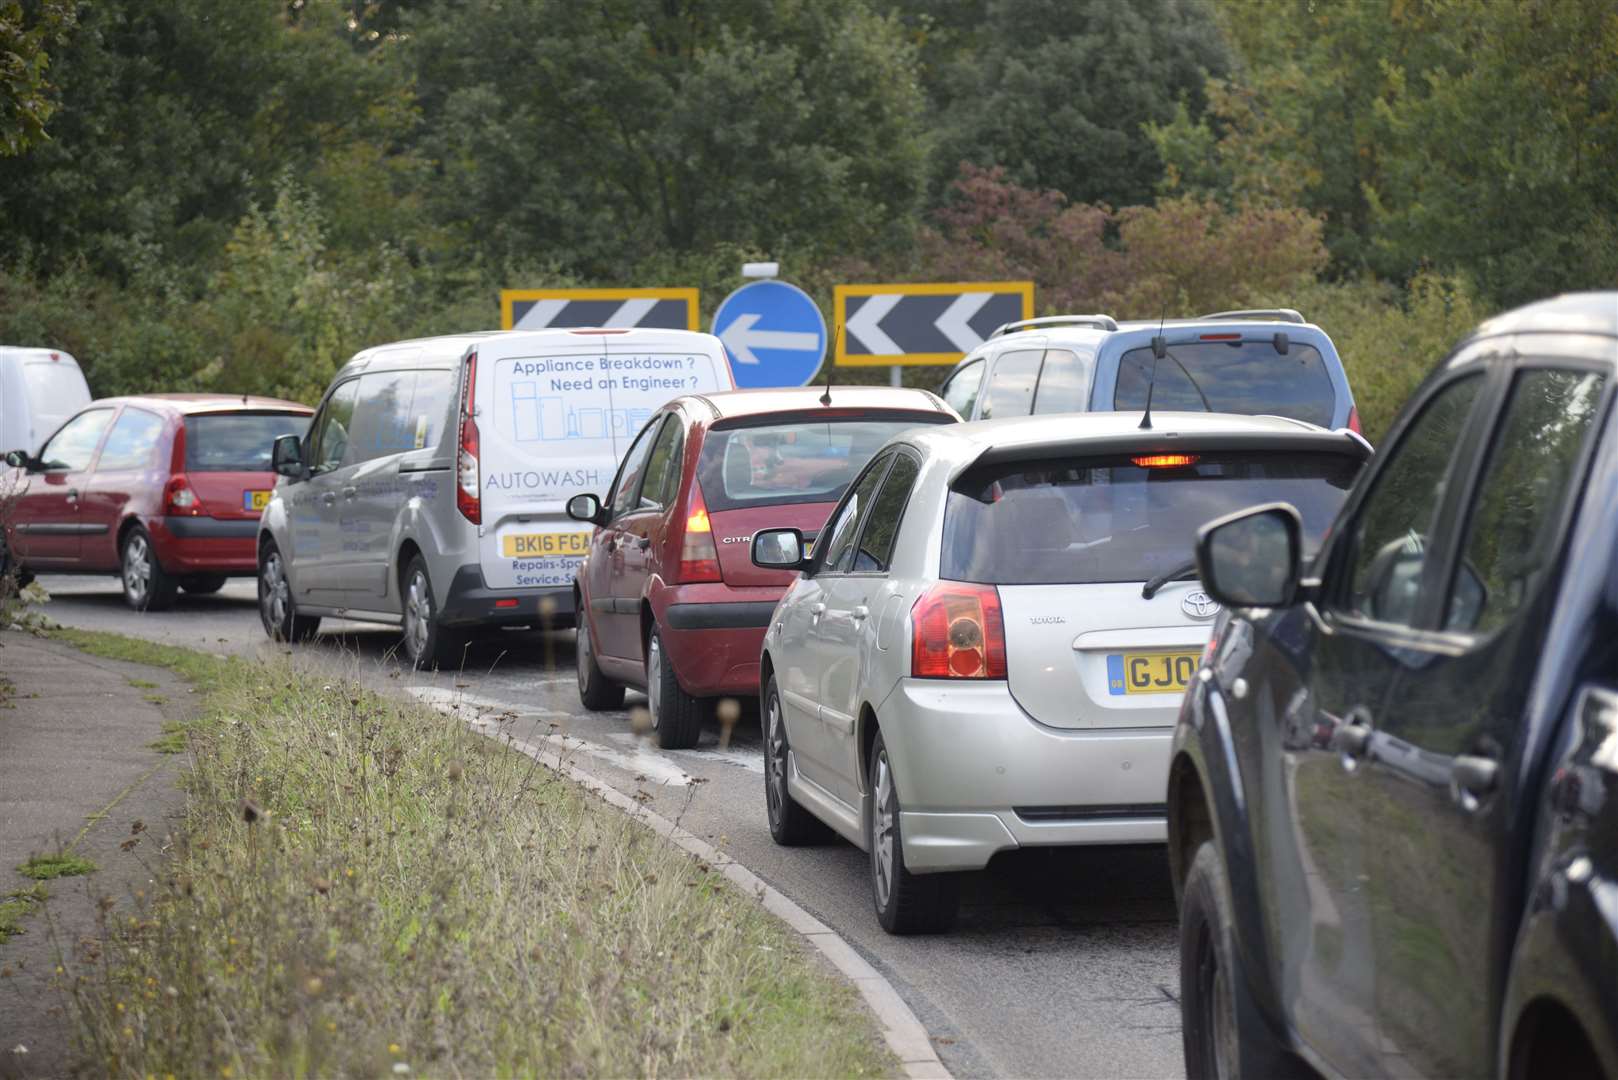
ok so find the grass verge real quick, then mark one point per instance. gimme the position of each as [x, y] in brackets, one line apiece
[14, 905]
[365, 887]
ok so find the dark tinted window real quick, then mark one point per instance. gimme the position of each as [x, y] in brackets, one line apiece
[1237, 377]
[131, 441]
[329, 441]
[1011, 385]
[1520, 502]
[796, 461]
[241, 442]
[838, 538]
[627, 489]
[876, 540]
[75, 444]
[1064, 382]
[1108, 519]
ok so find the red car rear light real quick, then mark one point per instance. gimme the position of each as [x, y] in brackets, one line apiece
[468, 482]
[957, 633]
[179, 499]
[699, 558]
[1354, 420]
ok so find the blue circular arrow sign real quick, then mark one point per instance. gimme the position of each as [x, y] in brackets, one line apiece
[774, 333]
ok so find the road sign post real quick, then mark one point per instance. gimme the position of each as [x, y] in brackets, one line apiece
[774, 333]
[901, 324]
[617, 309]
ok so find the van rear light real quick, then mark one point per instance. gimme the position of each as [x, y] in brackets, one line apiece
[468, 482]
[179, 499]
[1354, 420]
[699, 558]
[957, 633]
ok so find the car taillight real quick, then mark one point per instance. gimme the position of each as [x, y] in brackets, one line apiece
[178, 498]
[468, 483]
[957, 633]
[1354, 420]
[699, 558]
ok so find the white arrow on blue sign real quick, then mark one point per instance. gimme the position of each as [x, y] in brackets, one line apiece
[775, 334]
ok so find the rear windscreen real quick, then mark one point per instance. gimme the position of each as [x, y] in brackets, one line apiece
[1247, 377]
[236, 442]
[775, 463]
[1108, 519]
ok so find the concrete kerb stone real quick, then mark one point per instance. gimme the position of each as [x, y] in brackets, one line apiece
[903, 1031]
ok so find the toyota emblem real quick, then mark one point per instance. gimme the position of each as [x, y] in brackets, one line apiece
[1199, 605]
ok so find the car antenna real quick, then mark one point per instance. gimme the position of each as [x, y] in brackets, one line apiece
[1160, 349]
[831, 366]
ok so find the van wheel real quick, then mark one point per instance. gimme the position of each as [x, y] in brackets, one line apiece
[906, 903]
[1223, 1034]
[597, 692]
[426, 643]
[202, 584]
[790, 824]
[276, 609]
[676, 716]
[146, 586]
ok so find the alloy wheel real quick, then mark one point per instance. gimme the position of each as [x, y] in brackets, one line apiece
[274, 595]
[137, 568]
[654, 679]
[775, 759]
[418, 615]
[882, 828]
[583, 653]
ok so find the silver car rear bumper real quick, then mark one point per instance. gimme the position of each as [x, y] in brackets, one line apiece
[976, 775]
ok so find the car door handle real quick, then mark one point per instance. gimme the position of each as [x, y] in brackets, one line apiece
[1475, 776]
[350, 492]
[816, 610]
[72, 495]
[860, 612]
[328, 499]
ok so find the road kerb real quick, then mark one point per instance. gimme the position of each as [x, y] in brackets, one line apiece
[904, 1033]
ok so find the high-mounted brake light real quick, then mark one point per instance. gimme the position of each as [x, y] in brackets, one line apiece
[468, 480]
[1354, 420]
[699, 558]
[1220, 337]
[1165, 461]
[957, 633]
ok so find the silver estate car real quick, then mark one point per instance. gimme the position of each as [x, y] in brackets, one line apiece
[988, 646]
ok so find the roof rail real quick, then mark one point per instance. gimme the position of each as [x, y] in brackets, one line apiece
[1280, 314]
[1099, 322]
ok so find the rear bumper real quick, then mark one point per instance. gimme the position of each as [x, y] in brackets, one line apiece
[469, 602]
[205, 545]
[713, 634]
[977, 776]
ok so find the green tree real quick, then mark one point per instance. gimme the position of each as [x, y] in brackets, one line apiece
[25, 95]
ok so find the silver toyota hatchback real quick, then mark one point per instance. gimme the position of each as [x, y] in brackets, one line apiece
[988, 647]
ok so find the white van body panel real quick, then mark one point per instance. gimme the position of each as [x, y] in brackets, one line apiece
[40, 390]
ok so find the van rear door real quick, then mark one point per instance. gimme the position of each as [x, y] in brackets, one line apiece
[55, 389]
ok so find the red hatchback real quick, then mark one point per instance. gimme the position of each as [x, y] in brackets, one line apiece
[164, 490]
[668, 598]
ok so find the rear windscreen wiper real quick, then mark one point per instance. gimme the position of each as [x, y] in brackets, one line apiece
[1179, 573]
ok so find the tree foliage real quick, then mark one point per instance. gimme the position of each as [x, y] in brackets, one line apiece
[25, 95]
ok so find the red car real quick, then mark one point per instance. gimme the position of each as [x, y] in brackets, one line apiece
[164, 490]
[668, 598]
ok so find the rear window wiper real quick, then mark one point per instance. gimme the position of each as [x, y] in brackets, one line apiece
[1179, 573]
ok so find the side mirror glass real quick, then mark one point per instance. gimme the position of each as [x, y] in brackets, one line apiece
[778, 549]
[286, 456]
[19, 459]
[585, 508]
[1251, 558]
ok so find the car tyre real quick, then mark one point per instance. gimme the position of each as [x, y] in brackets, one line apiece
[677, 717]
[597, 692]
[906, 903]
[427, 644]
[276, 608]
[790, 824]
[1223, 1034]
[147, 587]
[202, 584]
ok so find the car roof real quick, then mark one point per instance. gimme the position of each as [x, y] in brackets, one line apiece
[193, 404]
[1569, 313]
[732, 403]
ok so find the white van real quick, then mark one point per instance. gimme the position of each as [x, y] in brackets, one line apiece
[430, 490]
[39, 390]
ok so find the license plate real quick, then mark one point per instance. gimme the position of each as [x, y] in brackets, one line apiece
[255, 500]
[1150, 672]
[537, 545]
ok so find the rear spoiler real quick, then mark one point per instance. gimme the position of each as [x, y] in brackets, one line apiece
[1318, 441]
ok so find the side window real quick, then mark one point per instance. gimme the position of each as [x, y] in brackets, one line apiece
[961, 392]
[1391, 534]
[626, 489]
[839, 535]
[1064, 382]
[131, 441]
[875, 547]
[663, 468]
[429, 407]
[1011, 384]
[1514, 521]
[73, 447]
[328, 437]
[382, 415]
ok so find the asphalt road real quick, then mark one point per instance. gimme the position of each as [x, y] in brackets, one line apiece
[1063, 964]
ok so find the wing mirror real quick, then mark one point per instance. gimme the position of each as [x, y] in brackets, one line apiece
[1251, 558]
[286, 456]
[19, 459]
[587, 508]
[779, 549]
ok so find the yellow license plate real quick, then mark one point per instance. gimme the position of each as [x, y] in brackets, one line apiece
[538, 545]
[255, 500]
[1152, 672]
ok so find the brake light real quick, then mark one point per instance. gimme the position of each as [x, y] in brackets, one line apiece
[1221, 337]
[1354, 420]
[1165, 461]
[178, 498]
[957, 633]
[699, 558]
[468, 482]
